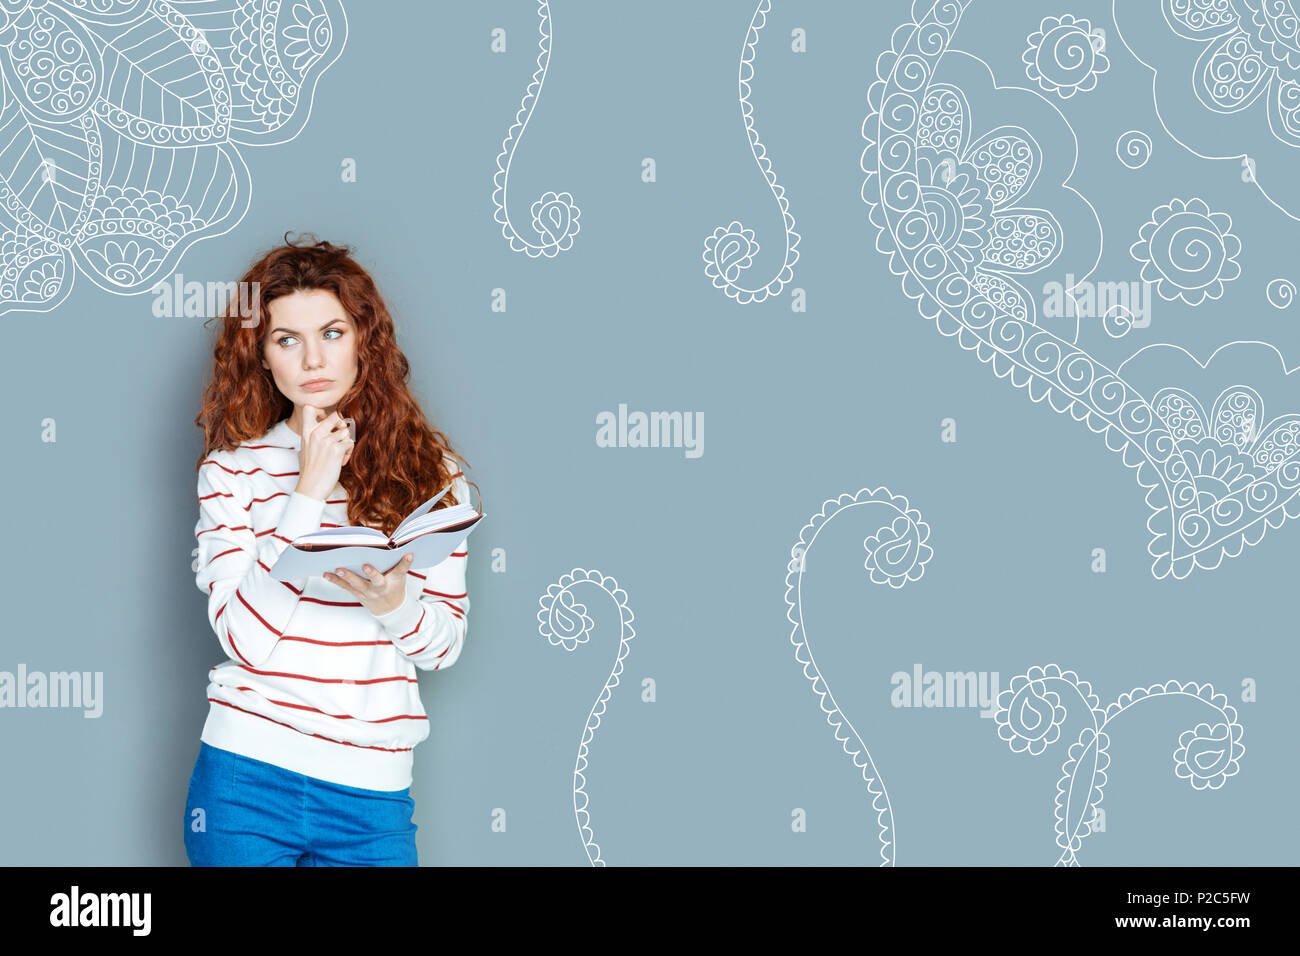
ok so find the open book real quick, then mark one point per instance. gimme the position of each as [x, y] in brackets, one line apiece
[430, 536]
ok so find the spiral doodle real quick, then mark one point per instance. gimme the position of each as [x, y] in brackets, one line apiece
[1117, 321]
[1030, 717]
[555, 215]
[564, 622]
[895, 554]
[1280, 292]
[1133, 148]
[1064, 56]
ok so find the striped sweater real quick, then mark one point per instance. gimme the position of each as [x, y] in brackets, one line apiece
[314, 682]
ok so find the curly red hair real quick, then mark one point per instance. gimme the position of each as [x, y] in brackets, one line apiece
[399, 460]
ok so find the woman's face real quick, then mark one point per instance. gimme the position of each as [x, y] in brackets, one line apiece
[311, 337]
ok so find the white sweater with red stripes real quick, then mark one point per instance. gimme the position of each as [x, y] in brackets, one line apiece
[314, 682]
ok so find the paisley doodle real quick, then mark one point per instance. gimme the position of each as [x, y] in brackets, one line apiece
[122, 125]
[555, 215]
[1133, 148]
[730, 250]
[896, 553]
[1031, 714]
[1187, 251]
[1064, 56]
[1240, 61]
[1281, 293]
[564, 622]
[940, 267]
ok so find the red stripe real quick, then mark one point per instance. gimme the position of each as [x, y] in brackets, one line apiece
[285, 583]
[328, 501]
[329, 680]
[454, 609]
[217, 494]
[413, 653]
[331, 603]
[378, 720]
[458, 554]
[251, 471]
[308, 640]
[330, 739]
[242, 527]
[255, 614]
[445, 594]
[417, 625]
[230, 636]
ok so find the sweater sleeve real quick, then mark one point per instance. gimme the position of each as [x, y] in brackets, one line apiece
[248, 609]
[432, 622]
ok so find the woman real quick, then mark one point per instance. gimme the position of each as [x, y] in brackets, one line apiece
[305, 758]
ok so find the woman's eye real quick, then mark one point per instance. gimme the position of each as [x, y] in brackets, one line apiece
[284, 338]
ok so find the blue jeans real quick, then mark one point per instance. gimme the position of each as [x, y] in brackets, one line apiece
[258, 814]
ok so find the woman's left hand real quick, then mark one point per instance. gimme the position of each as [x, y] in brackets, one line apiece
[378, 593]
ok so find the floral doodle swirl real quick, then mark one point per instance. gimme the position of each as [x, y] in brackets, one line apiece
[975, 302]
[896, 553]
[102, 178]
[1240, 61]
[1064, 56]
[564, 622]
[1206, 755]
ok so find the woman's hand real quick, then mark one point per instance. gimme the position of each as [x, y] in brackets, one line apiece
[378, 593]
[326, 447]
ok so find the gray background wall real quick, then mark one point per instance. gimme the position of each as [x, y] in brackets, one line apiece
[800, 407]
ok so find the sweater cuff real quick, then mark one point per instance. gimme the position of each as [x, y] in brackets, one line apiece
[301, 516]
[402, 621]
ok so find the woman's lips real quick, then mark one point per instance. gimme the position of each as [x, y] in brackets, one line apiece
[317, 386]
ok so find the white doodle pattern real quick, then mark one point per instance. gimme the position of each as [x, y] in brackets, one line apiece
[897, 553]
[1185, 533]
[555, 215]
[122, 122]
[564, 622]
[1188, 251]
[1030, 717]
[730, 250]
[1238, 58]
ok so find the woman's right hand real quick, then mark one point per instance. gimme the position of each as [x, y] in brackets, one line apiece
[326, 446]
